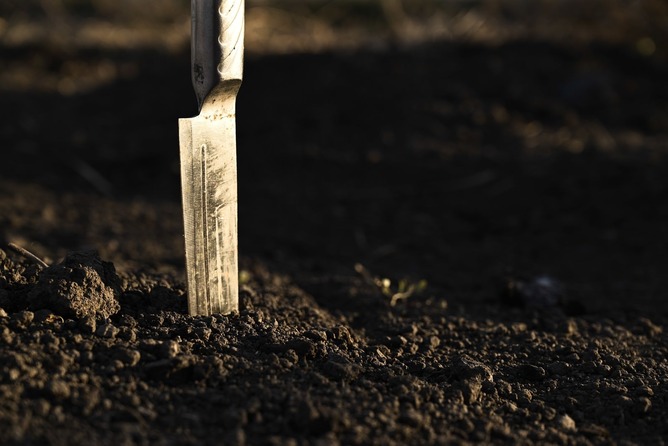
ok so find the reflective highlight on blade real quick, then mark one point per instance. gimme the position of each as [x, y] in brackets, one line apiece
[208, 172]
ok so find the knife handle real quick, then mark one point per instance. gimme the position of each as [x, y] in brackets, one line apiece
[231, 39]
[217, 44]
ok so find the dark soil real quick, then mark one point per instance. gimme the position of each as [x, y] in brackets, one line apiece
[525, 183]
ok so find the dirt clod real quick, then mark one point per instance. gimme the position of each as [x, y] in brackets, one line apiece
[466, 368]
[567, 423]
[80, 286]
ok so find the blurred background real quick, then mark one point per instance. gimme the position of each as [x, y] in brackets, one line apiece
[463, 142]
[289, 26]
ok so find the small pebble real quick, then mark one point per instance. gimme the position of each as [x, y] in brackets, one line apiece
[566, 423]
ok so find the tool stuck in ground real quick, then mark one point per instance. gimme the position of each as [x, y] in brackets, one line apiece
[208, 157]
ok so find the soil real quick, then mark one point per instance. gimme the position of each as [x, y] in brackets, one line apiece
[454, 242]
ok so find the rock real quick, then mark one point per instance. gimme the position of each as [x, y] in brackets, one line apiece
[82, 285]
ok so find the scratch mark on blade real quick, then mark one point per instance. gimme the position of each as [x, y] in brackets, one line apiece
[205, 229]
[219, 266]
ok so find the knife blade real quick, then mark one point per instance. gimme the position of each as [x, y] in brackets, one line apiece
[208, 157]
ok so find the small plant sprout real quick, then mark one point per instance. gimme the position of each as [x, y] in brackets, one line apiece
[404, 289]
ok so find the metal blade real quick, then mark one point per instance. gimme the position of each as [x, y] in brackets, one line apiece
[208, 158]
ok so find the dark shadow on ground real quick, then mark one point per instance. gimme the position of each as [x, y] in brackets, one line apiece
[455, 163]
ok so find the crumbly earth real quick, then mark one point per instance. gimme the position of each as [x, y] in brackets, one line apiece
[459, 242]
[286, 370]
[81, 286]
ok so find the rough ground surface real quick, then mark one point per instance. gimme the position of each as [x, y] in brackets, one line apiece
[525, 181]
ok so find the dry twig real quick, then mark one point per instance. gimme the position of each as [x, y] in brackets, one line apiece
[27, 254]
